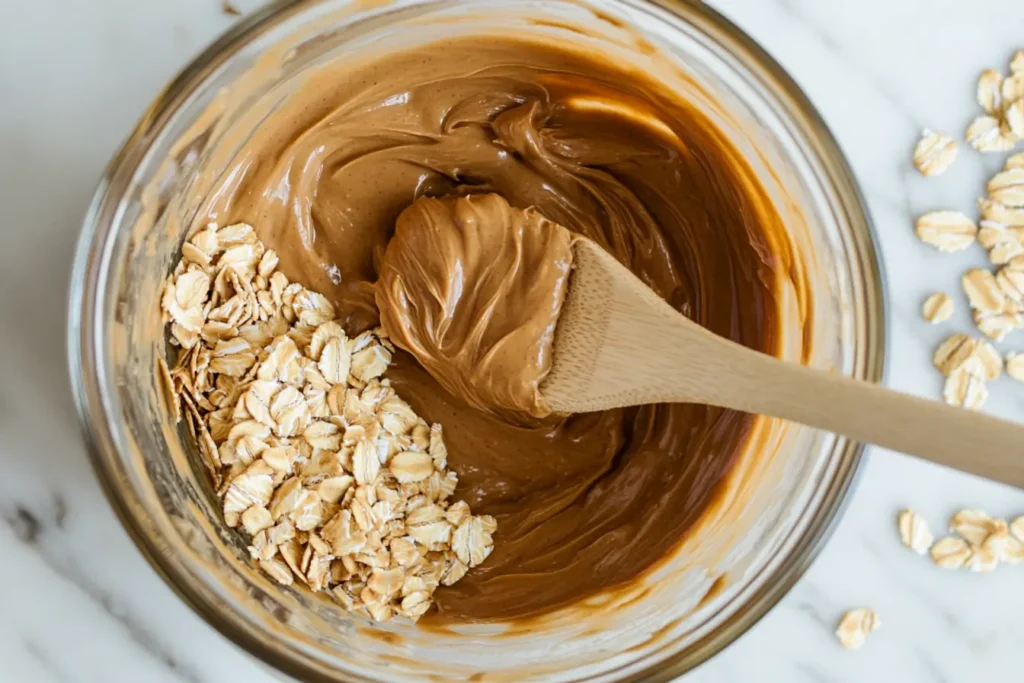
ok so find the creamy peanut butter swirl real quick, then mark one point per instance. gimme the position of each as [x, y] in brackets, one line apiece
[589, 502]
[472, 288]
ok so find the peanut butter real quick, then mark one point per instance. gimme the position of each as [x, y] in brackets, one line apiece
[585, 503]
[472, 287]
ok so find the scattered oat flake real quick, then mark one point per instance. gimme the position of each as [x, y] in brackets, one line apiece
[1007, 188]
[986, 134]
[1005, 219]
[965, 390]
[982, 290]
[1013, 87]
[934, 153]
[937, 308]
[855, 626]
[997, 326]
[948, 231]
[1015, 366]
[914, 532]
[988, 362]
[966, 363]
[990, 91]
[974, 526]
[1005, 250]
[953, 353]
[1011, 281]
[993, 232]
[1017, 528]
[982, 560]
[1017, 62]
[951, 552]
[1006, 548]
[1014, 116]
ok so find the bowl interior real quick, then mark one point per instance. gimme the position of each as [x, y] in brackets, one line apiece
[750, 546]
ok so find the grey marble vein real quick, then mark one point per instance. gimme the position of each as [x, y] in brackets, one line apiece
[843, 53]
[24, 524]
[28, 529]
[60, 510]
[44, 660]
[813, 673]
[815, 612]
[935, 673]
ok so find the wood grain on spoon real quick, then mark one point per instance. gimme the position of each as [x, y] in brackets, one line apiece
[618, 344]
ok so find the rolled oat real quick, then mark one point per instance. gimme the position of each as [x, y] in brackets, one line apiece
[336, 481]
[855, 626]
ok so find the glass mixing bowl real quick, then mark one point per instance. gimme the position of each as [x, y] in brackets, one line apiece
[749, 548]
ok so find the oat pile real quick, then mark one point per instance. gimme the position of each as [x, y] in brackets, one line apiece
[995, 295]
[978, 542]
[336, 481]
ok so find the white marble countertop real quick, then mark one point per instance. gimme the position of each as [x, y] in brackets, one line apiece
[77, 601]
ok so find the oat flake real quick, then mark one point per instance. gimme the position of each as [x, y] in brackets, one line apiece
[1015, 366]
[937, 308]
[934, 153]
[1017, 528]
[948, 231]
[974, 526]
[951, 552]
[989, 91]
[855, 626]
[953, 353]
[914, 532]
[965, 390]
[986, 134]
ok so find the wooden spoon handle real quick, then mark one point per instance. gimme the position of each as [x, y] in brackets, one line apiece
[954, 437]
[619, 344]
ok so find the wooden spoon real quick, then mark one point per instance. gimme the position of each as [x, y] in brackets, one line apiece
[617, 343]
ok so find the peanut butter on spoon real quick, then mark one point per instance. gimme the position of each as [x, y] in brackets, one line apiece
[472, 287]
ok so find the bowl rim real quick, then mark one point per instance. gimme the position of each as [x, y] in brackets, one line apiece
[87, 290]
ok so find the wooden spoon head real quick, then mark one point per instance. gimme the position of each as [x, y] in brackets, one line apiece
[579, 335]
[613, 337]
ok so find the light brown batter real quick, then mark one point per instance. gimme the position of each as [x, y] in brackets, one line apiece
[472, 288]
[590, 502]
